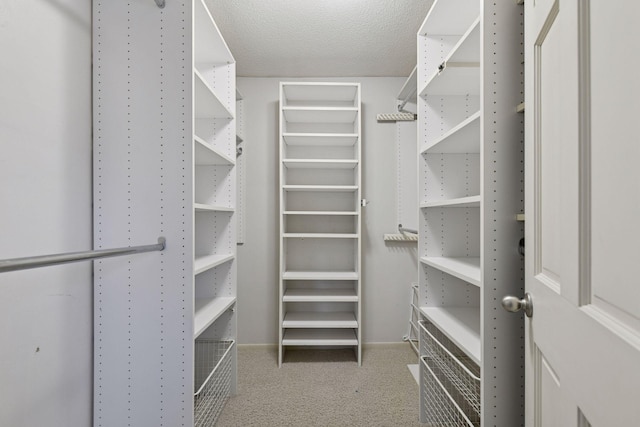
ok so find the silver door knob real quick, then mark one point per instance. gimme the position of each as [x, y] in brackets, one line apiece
[515, 304]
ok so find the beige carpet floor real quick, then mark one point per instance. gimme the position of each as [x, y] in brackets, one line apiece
[324, 388]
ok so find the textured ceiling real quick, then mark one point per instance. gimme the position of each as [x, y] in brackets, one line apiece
[321, 38]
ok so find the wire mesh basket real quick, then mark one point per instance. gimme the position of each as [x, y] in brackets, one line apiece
[450, 377]
[212, 380]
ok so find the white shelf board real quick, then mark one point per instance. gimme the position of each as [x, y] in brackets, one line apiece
[468, 47]
[327, 188]
[320, 114]
[317, 319]
[455, 79]
[209, 45]
[410, 87]
[319, 337]
[205, 154]
[207, 262]
[463, 138]
[320, 213]
[320, 295]
[320, 275]
[320, 236]
[207, 104]
[207, 310]
[314, 92]
[202, 207]
[449, 17]
[465, 268]
[328, 139]
[461, 325]
[320, 163]
[462, 202]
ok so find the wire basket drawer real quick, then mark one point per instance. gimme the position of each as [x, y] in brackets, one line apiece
[212, 380]
[449, 376]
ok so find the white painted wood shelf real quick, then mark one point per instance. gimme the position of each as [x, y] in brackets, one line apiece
[449, 17]
[322, 213]
[320, 163]
[461, 325]
[467, 268]
[207, 262]
[320, 295]
[207, 104]
[203, 207]
[208, 310]
[320, 241]
[461, 202]
[312, 319]
[320, 114]
[205, 154]
[463, 138]
[454, 80]
[320, 275]
[321, 139]
[320, 236]
[320, 337]
[326, 188]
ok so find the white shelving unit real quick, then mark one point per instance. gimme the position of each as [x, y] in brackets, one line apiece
[470, 174]
[320, 290]
[164, 164]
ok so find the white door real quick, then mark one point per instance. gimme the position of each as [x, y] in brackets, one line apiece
[583, 212]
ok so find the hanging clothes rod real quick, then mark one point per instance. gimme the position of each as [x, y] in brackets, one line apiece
[160, 3]
[406, 230]
[47, 260]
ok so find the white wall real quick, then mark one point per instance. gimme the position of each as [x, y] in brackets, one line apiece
[388, 269]
[45, 195]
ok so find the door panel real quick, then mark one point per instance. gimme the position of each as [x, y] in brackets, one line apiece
[581, 157]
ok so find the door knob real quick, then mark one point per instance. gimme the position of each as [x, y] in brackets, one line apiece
[515, 304]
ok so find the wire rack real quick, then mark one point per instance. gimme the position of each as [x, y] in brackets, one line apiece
[212, 380]
[451, 374]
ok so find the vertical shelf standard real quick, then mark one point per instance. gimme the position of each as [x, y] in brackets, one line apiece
[164, 162]
[470, 145]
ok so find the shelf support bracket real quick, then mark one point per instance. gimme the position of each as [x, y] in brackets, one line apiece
[160, 3]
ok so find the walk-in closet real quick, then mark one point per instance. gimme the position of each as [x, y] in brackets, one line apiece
[328, 213]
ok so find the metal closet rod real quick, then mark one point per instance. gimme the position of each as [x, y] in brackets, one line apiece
[406, 230]
[47, 260]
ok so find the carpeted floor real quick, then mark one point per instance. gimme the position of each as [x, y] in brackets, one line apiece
[324, 388]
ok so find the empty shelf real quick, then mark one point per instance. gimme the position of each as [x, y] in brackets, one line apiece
[320, 114]
[329, 139]
[410, 86]
[468, 47]
[320, 92]
[315, 319]
[462, 202]
[321, 213]
[320, 163]
[467, 269]
[449, 17]
[460, 324]
[455, 79]
[207, 104]
[320, 235]
[463, 138]
[209, 46]
[320, 275]
[205, 154]
[328, 188]
[207, 262]
[201, 207]
[320, 295]
[207, 310]
[320, 337]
